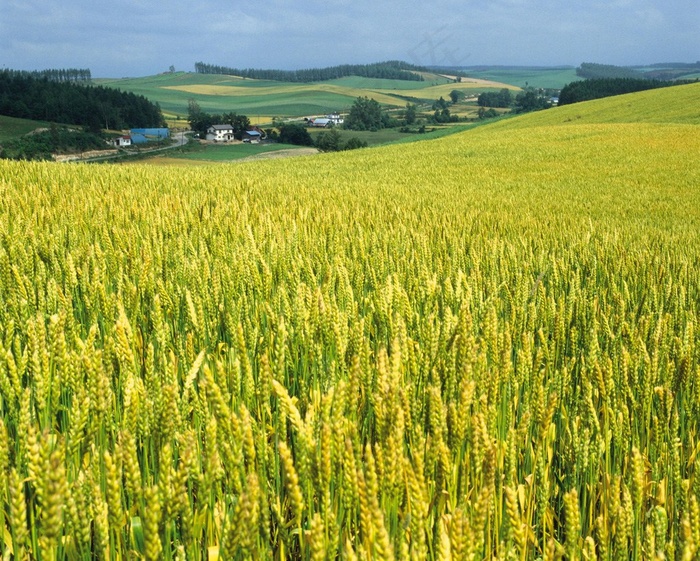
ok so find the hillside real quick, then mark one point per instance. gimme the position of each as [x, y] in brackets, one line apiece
[676, 104]
[483, 346]
[219, 93]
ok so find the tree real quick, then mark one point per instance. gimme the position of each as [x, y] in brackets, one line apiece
[329, 141]
[410, 114]
[440, 104]
[456, 95]
[530, 100]
[198, 119]
[291, 133]
[354, 143]
[365, 115]
[240, 123]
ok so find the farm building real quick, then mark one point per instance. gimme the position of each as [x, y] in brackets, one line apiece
[121, 141]
[320, 122]
[335, 118]
[141, 136]
[252, 136]
[220, 133]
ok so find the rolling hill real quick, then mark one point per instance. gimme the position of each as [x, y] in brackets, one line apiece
[219, 93]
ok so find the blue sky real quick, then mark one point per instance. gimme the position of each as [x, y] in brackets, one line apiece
[143, 37]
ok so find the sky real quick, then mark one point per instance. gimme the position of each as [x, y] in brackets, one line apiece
[144, 37]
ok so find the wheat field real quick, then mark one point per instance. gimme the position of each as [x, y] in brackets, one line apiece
[478, 347]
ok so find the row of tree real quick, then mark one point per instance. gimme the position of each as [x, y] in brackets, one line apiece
[61, 74]
[594, 71]
[585, 90]
[663, 71]
[26, 96]
[394, 70]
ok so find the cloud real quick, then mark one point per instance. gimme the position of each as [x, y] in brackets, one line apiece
[138, 37]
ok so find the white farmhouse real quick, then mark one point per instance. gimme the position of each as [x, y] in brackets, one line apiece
[220, 133]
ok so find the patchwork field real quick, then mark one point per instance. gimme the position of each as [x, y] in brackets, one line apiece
[483, 346]
[218, 94]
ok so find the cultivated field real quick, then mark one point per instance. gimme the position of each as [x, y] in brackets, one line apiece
[220, 94]
[483, 346]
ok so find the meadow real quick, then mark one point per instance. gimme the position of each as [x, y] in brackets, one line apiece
[522, 76]
[482, 346]
[11, 127]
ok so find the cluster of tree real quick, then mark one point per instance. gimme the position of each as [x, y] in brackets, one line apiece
[56, 140]
[61, 74]
[367, 115]
[326, 141]
[585, 90]
[394, 70]
[293, 133]
[531, 99]
[502, 98]
[200, 121]
[671, 70]
[332, 141]
[591, 70]
[95, 107]
[442, 112]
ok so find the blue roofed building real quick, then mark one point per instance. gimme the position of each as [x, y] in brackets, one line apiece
[141, 136]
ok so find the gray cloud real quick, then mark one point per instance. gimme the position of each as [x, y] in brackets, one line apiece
[139, 37]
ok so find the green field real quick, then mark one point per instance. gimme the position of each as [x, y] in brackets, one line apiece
[227, 152]
[11, 128]
[537, 77]
[219, 94]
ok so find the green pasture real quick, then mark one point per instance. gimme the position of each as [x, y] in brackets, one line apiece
[11, 127]
[522, 76]
[226, 152]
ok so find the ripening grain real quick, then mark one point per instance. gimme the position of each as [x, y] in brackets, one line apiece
[485, 346]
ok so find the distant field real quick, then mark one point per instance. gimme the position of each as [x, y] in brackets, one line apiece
[554, 77]
[218, 94]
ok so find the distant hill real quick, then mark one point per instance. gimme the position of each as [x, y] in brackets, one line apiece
[390, 70]
[35, 96]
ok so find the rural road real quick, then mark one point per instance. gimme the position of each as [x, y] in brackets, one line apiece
[179, 139]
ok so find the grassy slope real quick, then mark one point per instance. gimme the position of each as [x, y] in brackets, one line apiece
[675, 104]
[627, 156]
[10, 127]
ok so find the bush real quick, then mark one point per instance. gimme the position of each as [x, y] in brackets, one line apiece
[292, 133]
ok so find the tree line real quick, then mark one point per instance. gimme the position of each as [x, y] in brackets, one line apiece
[586, 90]
[393, 70]
[662, 71]
[593, 71]
[27, 96]
[61, 74]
